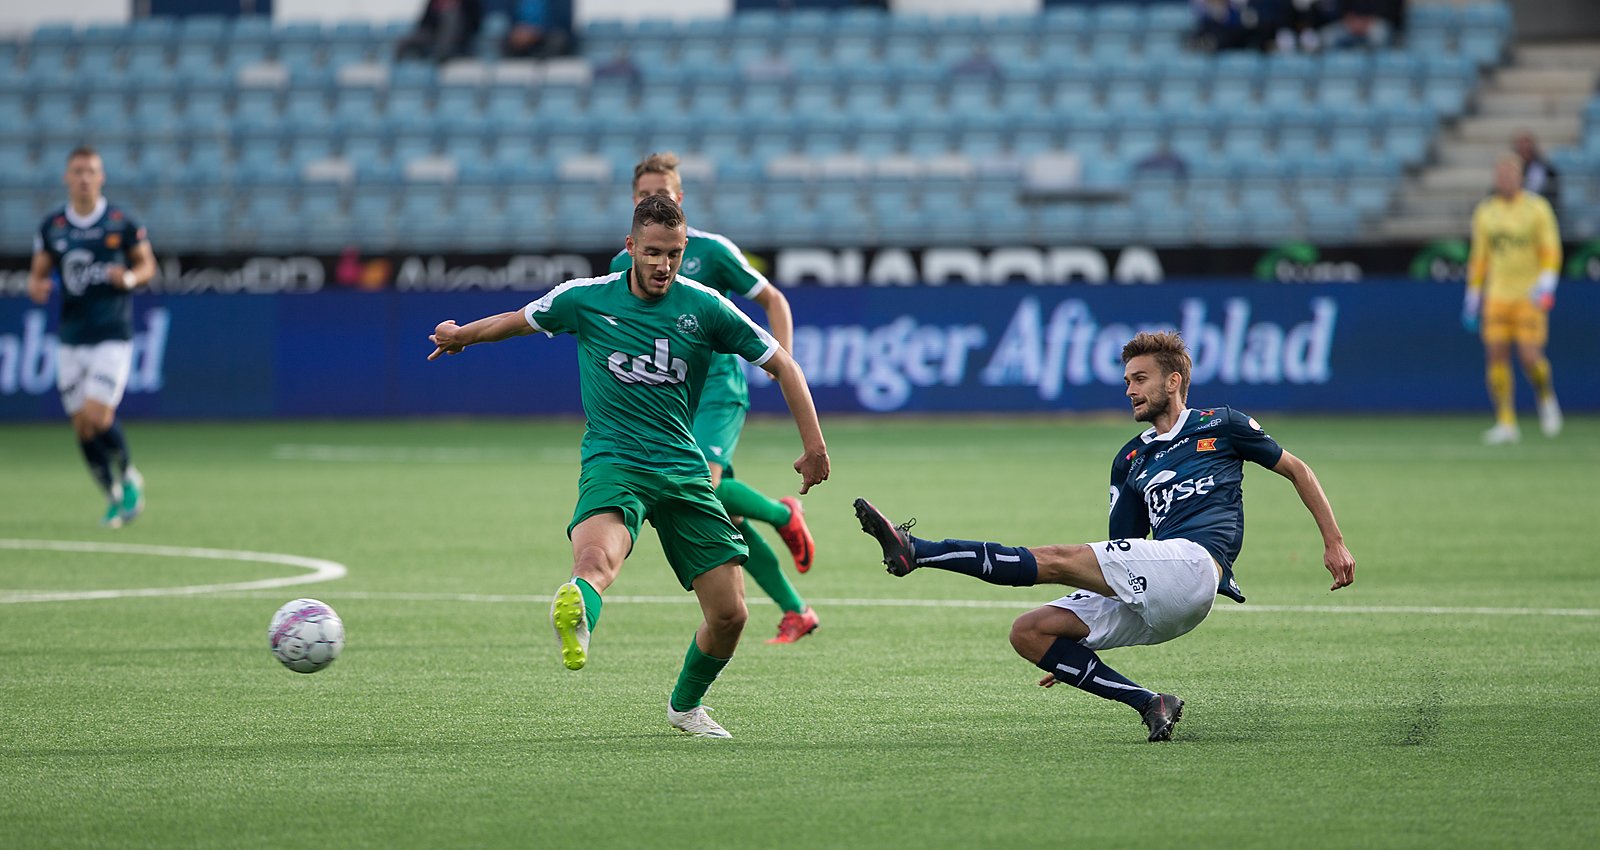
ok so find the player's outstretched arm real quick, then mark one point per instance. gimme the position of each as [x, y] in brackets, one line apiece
[1335, 556]
[451, 338]
[813, 464]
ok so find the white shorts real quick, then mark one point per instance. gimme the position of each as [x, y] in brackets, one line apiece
[1163, 588]
[96, 372]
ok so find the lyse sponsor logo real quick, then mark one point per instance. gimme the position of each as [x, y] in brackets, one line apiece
[28, 359]
[660, 368]
[966, 266]
[1159, 496]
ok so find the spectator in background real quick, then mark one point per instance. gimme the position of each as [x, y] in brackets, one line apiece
[445, 31]
[977, 64]
[539, 29]
[619, 67]
[1224, 25]
[1538, 175]
[1161, 162]
[1362, 24]
[1296, 25]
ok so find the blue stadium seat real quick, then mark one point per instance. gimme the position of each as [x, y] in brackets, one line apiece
[97, 62]
[407, 101]
[306, 108]
[1483, 45]
[1393, 91]
[146, 58]
[1340, 91]
[970, 96]
[300, 55]
[456, 103]
[195, 59]
[1072, 97]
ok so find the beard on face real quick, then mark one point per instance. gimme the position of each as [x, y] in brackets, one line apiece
[1156, 404]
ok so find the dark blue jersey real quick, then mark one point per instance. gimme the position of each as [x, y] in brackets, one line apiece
[93, 308]
[1189, 483]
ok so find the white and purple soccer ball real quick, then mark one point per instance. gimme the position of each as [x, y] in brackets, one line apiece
[306, 635]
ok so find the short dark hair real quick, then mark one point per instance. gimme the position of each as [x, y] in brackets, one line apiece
[1169, 351]
[657, 209]
[82, 150]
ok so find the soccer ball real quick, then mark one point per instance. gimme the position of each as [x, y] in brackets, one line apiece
[306, 635]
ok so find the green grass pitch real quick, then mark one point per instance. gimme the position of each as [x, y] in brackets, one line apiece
[1447, 699]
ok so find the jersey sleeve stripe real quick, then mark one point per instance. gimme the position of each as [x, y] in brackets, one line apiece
[772, 342]
[739, 257]
[544, 302]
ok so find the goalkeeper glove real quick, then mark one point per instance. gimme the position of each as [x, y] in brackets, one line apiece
[1469, 311]
[1544, 291]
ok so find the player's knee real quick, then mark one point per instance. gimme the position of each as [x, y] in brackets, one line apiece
[728, 619]
[1027, 638]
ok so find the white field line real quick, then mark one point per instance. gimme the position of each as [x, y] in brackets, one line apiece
[411, 454]
[1250, 608]
[320, 570]
[332, 453]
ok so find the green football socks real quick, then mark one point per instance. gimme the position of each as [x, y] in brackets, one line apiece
[699, 671]
[762, 566]
[591, 603]
[743, 500]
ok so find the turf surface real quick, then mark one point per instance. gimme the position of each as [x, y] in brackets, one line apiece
[1464, 719]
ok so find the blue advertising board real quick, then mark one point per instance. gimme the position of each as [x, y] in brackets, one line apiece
[1372, 346]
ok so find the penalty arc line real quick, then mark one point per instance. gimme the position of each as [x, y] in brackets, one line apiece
[320, 570]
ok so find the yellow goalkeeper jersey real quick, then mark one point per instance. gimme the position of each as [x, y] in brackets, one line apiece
[1512, 242]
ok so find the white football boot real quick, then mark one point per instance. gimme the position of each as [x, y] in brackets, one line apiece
[1550, 416]
[1501, 435]
[695, 722]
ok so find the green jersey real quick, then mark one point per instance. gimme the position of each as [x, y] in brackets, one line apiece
[713, 259]
[642, 364]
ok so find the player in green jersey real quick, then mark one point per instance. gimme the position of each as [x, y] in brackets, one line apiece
[715, 261]
[646, 340]
[100, 255]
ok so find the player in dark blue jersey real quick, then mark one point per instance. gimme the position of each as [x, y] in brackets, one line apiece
[1176, 528]
[100, 255]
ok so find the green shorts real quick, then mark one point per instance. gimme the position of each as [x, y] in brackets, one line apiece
[693, 527]
[716, 431]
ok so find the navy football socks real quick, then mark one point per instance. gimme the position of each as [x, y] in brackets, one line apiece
[1078, 665]
[98, 457]
[1010, 566]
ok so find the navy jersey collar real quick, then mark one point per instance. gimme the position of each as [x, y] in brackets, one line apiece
[1150, 435]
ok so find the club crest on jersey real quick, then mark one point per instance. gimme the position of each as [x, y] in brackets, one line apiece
[654, 370]
[1207, 445]
[691, 266]
[113, 241]
[688, 324]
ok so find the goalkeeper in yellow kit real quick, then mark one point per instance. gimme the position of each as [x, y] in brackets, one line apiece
[1511, 286]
